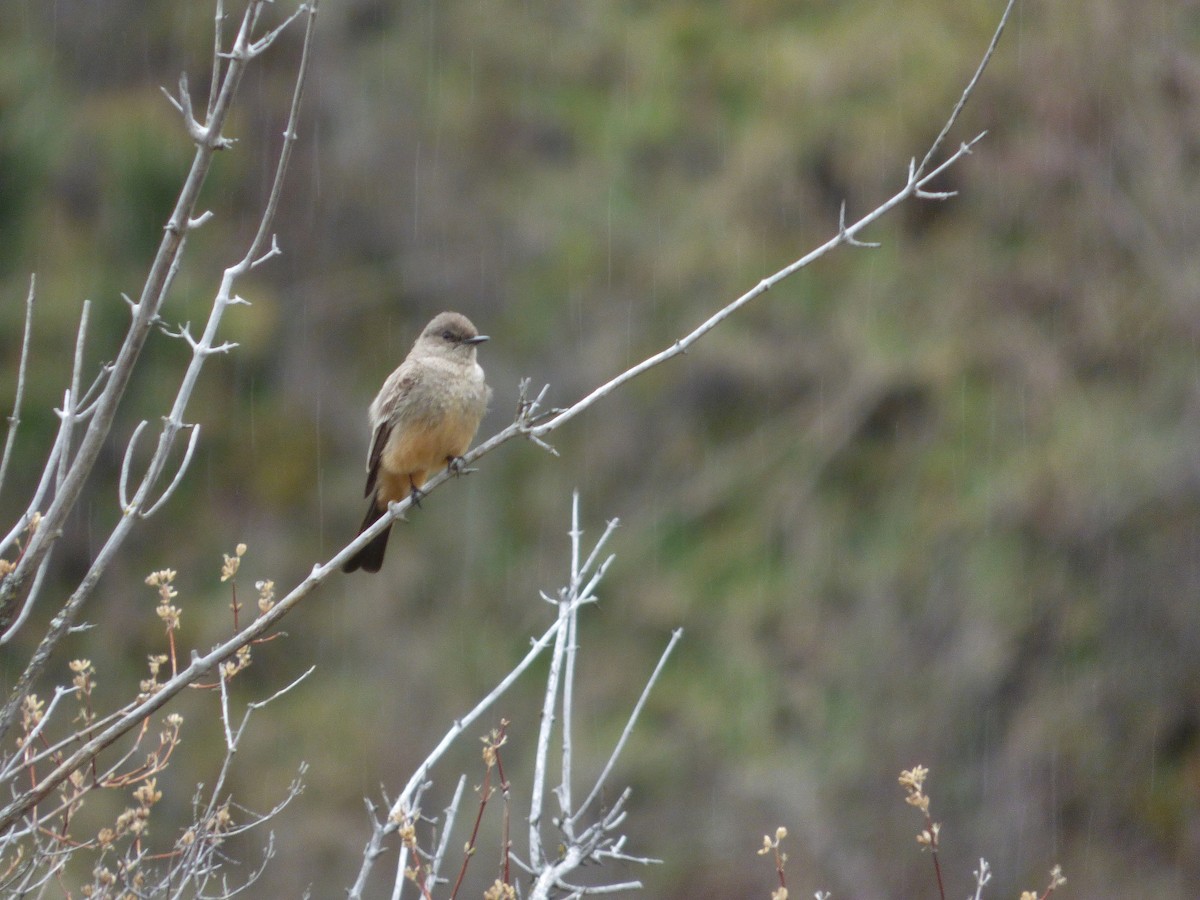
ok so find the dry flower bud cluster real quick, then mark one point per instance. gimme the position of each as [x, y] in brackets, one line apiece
[929, 837]
[232, 563]
[83, 680]
[1057, 880]
[31, 713]
[166, 610]
[133, 820]
[404, 819]
[492, 742]
[149, 685]
[266, 595]
[407, 832]
[216, 824]
[913, 782]
[241, 660]
[220, 821]
[104, 879]
[769, 846]
[175, 721]
[408, 835]
[500, 891]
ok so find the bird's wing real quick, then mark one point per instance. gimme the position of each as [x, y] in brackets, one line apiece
[382, 433]
[383, 414]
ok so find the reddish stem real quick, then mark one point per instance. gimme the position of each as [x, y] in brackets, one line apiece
[484, 793]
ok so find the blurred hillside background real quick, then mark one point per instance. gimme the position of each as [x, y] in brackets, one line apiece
[933, 503]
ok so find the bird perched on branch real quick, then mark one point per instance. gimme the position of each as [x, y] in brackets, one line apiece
[423, 418]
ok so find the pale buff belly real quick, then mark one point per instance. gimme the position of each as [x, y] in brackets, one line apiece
[417, 449]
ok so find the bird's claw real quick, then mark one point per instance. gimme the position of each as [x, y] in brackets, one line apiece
[456, 466]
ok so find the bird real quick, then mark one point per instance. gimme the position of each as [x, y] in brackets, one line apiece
[424, 417]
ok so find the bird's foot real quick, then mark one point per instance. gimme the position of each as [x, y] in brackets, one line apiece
[456, 466]
[415, 495]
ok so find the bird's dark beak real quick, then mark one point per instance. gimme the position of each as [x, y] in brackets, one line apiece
[478, 339]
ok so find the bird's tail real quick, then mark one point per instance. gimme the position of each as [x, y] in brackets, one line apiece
[370, 557]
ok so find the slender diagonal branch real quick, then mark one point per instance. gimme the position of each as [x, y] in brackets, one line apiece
[676, 635]
[967, 91]
[535, 425]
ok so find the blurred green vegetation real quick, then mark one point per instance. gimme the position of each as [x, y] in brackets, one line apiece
[936, 502]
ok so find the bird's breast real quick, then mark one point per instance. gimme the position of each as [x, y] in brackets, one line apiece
[433, 428]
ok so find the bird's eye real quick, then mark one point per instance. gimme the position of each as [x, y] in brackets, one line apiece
[448, 335]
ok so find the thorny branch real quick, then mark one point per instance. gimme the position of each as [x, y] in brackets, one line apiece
[74, 470]
[535, 423]
[594, 843]
[407, 803]
[145, 313]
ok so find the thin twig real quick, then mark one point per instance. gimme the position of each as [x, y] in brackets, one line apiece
[982, 876]
[633, 717]
[28, 740]
[545, 726]
[230, 746]
[15, 419]
[448, 816]
[179, 473]
[215, 83]
[126, 461]
[563, 791]
[968, 91]
[259, 704]
[70, 408]
[289, 137]
[35, 589]
[77, 364]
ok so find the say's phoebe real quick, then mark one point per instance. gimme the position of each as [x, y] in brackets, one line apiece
[423, 418]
